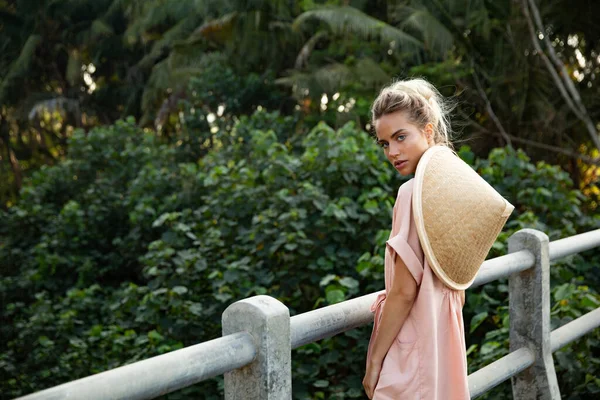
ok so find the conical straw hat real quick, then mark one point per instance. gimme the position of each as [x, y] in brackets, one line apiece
[458, 216]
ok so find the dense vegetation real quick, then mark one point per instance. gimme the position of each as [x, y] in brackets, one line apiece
[131, 248]
[242, 166]
[527, 74]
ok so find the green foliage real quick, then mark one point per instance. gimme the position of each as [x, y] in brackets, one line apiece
[544, 199]
[135, 244]
[20, 67]
[113, 58]
[122, 253]
[132, 248]
[346, 20]
[215, 101]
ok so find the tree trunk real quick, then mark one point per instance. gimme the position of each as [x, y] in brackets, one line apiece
[563, 81]
[10, 154]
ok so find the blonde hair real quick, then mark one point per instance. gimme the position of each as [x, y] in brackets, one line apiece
[423, 103]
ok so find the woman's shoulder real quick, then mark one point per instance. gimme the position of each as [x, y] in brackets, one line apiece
[404, 195]
[406, 188]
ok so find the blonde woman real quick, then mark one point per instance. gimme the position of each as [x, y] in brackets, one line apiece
[417, 348]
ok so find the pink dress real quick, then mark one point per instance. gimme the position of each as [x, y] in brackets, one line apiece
[427, 360]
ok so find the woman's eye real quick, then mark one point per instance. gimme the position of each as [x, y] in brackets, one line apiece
[383, 145]
[400, 137]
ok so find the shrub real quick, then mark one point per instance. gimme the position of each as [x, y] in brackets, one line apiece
[132, 248]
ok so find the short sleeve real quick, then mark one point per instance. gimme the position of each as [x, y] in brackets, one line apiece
[407, 254]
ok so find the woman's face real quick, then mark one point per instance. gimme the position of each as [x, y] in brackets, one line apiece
[403, 142]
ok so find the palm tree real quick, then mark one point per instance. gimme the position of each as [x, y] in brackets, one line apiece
[356, 44]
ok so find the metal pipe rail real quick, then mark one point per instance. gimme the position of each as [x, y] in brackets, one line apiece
[500, 370]
[574, 244]
[159, 375]
[575, 329]
[508, 366]
[178, 369]
[181, 370]
[332, 320]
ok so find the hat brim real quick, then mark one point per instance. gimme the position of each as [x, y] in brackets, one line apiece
[458, 216]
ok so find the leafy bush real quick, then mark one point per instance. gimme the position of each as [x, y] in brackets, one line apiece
[544, 199]
[132, 248]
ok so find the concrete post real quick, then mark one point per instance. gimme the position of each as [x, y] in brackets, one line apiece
[529, 303]
[269, 376]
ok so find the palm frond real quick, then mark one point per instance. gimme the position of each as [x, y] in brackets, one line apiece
[279, 9]
[172, 75]
[313, 84]
[437, 39]
[100, 28]
[327, 79]
[218, 29]
[118, 7]
[155, 89]
[156, 13]
[346, 20]
[478, 18]
[20, 67]
[180, 31]
[307, 49]
[370, 73]
[335, 77]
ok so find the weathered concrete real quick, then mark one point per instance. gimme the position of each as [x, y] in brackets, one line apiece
[575, 329]
[502, 267]
[574, 244]
[500, 370]
[529, 303]
[159, 375]
[269, 377]
[271, 333]
[332, 320]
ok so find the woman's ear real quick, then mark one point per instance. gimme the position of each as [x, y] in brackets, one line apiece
[429, 133]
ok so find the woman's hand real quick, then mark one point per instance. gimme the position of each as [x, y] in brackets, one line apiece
[371, 378]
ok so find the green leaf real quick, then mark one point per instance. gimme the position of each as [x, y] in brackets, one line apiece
[45, 341]
[477, 320]
[590, 301]
[489, 347]
[290, 246]
[223, 297]
[348, 282]
[498, 246]
[327, 279]
[196, 309]
[335, 296]
[348, 20]
[154, 335]
[564, 291]
[321, 383]
[471, 349]
[180, 290]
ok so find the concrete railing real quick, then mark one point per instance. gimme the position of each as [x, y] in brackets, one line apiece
[258, 336]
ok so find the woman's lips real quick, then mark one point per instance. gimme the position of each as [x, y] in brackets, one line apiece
[400, 164]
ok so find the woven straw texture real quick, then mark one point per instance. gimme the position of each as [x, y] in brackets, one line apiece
[458, 216]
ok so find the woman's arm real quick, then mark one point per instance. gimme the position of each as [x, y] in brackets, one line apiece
[398, 302]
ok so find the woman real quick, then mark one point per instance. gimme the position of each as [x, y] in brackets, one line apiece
[417, 348]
